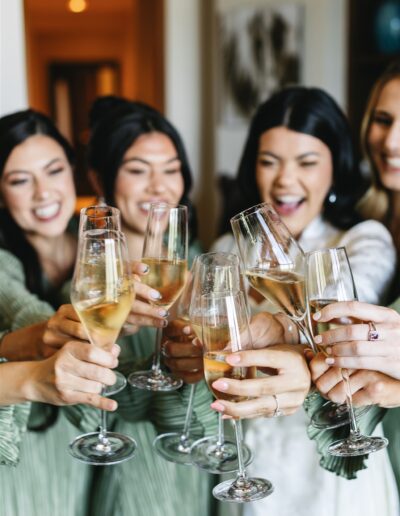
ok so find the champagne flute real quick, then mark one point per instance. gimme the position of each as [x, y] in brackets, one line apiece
[175, 446]
[225, 330]
[165, 252]
[330, 279]
[102, 295]
[215, 272]
[275, 266]
[103, 217]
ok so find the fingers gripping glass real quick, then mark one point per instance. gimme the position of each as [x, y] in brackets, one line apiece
[165, 251]
[102, 295]
[225, 330]
[330, 279]
[213, 273]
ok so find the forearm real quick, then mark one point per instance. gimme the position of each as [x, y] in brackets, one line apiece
[23, 344]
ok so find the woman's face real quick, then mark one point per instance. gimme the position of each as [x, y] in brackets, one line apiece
[150, 172]
[37, 187]
[384, 135]
[294, 173]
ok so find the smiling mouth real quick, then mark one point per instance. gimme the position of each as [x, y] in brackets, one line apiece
[49, 212]
[392, 163]
[287, 204]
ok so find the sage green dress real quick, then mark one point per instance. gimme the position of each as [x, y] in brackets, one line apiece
[48, 482]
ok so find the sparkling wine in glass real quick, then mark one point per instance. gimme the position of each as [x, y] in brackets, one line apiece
[102, 294]
[225, 330]
[175, 446]
[165, 252]
[215, 273]
[275, 266]
[330, 279]
[103, 217]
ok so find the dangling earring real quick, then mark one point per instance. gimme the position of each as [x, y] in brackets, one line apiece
[332, 197]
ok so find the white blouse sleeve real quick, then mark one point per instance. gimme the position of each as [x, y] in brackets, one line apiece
[372, 257]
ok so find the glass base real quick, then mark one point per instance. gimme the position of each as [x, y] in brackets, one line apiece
[331, 415]
[116, 448]
[149, 381]
[243, 490]
[357, 446]
[207, 454]
[174, 448]
[118, 386]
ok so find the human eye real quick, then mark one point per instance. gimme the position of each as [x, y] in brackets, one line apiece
[308, 163]
[135, 171]
[267, 163]
[382, 119]
[56, 171]
[170, 171]
[16, 182]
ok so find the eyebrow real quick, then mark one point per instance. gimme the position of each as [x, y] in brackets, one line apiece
[302, 156]
[145, 162]
[21, 171]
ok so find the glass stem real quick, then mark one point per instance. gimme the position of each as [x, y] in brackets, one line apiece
[189, 413]
[241, 474]
[303, 328]
[157, 354]
[354, 431]
[221, 436]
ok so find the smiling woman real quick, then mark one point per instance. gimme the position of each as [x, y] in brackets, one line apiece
[299, 157]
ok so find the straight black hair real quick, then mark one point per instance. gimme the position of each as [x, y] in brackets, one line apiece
[310, 111]
[116, 124]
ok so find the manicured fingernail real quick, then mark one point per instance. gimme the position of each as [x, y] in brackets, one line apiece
[144, 268]
[316, 316]
[187, 330]
[154, 294]
[233, 359]
[217, 406]
[163, 312]
[318, 339]
[328, 350]
[113, 405]
[220, 385]
[115, 350]
[329, 361]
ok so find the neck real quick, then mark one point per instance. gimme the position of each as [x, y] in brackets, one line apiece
[56, 255]
[134, 241]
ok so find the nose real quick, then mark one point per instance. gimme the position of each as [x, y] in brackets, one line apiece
[156, 183]
[286, 175]
[41, 191]
[392, 139]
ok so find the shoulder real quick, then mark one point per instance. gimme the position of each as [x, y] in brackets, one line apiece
[224, 244]
[369, 229]
[11, 265]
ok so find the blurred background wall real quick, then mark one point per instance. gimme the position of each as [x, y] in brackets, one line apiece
[168, 53]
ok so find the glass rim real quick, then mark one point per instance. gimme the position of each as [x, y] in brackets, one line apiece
[222, 294]
[220, 253]
[325, 249]
[168, 205]
[113, 211]
[248, 211]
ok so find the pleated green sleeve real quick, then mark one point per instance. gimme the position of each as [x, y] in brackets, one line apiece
[346, 467]
[13, 424]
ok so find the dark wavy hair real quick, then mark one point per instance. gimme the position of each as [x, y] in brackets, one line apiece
[14, 130]
[310, 111]
[115, 124]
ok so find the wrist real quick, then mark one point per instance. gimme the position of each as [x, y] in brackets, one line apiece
[290, 334]
[29, 387]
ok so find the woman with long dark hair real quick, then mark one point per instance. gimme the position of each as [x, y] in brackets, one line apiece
[299, 157]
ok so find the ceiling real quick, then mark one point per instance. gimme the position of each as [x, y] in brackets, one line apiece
[96, 7]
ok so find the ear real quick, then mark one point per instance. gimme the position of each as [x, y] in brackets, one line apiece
[95, 183]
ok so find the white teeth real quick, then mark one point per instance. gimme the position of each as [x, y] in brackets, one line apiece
[393, 162]
[288, 199]
[145, 206]
[47, 212]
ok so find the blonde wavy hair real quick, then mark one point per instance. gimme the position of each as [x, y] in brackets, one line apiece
[375, 203]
